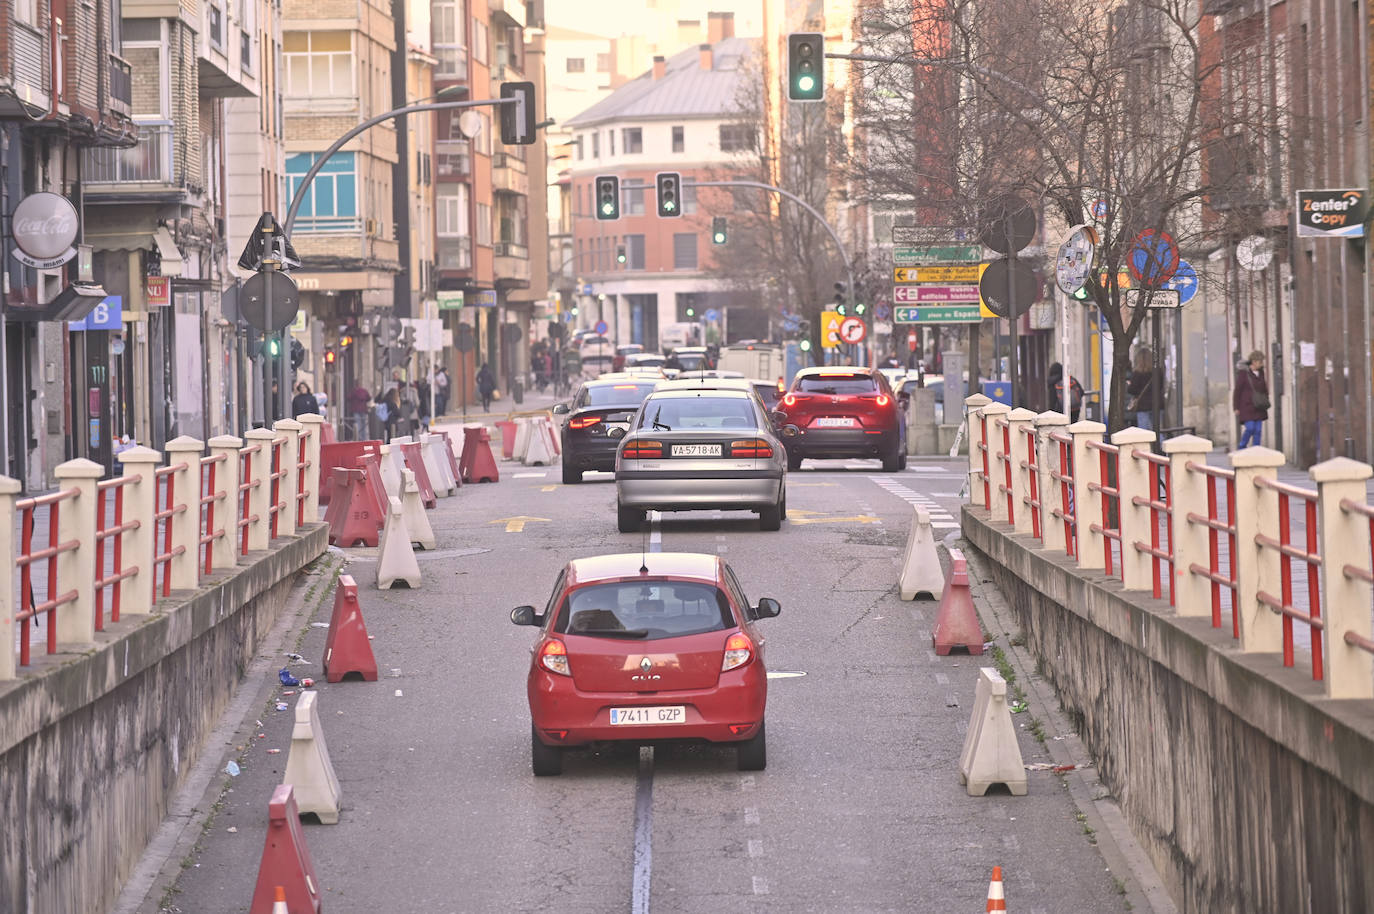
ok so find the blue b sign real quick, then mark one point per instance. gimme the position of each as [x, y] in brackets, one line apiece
[108, 315]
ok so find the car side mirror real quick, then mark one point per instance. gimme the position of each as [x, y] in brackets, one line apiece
[524, 615]
[790, 431]
[767, 608]
[904, 398]
[560, 408]
[778, 416]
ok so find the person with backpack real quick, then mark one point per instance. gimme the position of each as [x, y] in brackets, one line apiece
[1056, 382]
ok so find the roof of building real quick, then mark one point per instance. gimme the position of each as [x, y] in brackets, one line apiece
[685, 90]
[563, 33]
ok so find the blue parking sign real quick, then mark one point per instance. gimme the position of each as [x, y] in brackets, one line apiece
[108, 315]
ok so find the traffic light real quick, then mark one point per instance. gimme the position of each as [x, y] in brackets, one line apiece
[345, 341]
[297, 354]
[1082, 294]
[518, 119]
[271, 347]
[669, 185]
[805, 344]
[804, 327]
[859, 309]
[330, 356]
[691, 312]
[806, 67]
[408, 337]
[718, 230]
[620, 253]
[607, 197]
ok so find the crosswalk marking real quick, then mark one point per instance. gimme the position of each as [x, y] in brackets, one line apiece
[940, 519]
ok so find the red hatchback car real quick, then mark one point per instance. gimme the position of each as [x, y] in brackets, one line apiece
[843, 412]
[644, 648]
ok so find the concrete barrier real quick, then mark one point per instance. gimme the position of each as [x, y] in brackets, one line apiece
[308, 768]
[921, 565]
[413, 511]
[991, 754]
[395, 556]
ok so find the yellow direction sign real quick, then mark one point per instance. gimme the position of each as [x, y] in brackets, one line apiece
[830, 329]
[517, 524]
[962, 273]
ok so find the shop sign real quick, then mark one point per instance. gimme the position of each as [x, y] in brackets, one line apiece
[44, 226]
[158, 290]
[1337, 213]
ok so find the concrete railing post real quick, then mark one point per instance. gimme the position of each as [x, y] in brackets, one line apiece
[310, 445]
[1257, 568]
[260, 495]
[1133, 481]
[140, 545]
[9, 494]
[1021, 420]
[996, 413]
[224, 551]
[76, 521]
[1349, 670]
[184, 453]
[973, 407]
[1051, 494]
[1087, 504]
[289, 429]
[1188, 494]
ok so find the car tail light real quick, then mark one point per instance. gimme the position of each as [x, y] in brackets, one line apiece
[553, 656]
[739, 650]
[637, 450]
[790, 400]
[883, 399]
[583, 422]
[751, 447]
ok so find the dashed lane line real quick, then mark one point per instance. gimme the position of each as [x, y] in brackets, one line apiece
[940, 518]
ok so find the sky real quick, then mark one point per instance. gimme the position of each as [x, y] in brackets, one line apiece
[643, 17]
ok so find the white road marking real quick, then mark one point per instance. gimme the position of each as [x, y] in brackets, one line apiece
[940, 518]
[655, 531]
[755, 847]
[932, 470]
[751, 815]
[543, 475]
[942, 679]
[760, 885]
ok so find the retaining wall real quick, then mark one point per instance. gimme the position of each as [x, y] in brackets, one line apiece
[1250, 790]
[93, 744]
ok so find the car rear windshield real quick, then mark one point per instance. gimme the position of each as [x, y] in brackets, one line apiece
[838, 384]
[704, 412]
[617, 394]
[644, 610]
[768, 393]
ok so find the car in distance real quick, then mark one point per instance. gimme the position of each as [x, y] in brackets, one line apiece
[701, 445]
[691, 358]
[843, 412]
[595, 420]
[618, 363]
[645, 648]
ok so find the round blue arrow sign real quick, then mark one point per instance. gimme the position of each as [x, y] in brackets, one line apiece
[1184, 282]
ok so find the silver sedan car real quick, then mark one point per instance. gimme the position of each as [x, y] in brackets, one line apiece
[696, 446]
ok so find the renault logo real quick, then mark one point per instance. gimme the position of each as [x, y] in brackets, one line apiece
[646, 664]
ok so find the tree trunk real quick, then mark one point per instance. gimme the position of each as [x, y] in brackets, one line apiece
[1116, 399]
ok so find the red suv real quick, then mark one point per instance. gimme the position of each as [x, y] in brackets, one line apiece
[843, 412]
[646, 647]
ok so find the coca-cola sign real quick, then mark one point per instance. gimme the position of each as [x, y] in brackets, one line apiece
[44, 226]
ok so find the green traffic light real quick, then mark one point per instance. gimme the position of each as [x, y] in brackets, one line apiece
[859, 308]
[1081, 294]
[608, 207]
[804, 345]
[669, 205]
[840, 310]
[271, 348]
[691, 312]
[806, 83]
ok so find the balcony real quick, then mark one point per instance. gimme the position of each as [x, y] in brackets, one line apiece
[28, 64]
[147, 164]
[509, 174]
[453, 62]
[506, 13]
[121, 85]
[453, 158]
[512, 266]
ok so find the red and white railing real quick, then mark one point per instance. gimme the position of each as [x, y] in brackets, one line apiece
[1293, 567]
[97, 550]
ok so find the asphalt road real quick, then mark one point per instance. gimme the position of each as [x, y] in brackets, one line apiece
[860, 808]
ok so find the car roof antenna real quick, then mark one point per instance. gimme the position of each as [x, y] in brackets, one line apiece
[644, 551]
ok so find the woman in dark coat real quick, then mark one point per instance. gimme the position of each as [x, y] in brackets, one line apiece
[1144, 384]
[1251, 399]
[304, 401]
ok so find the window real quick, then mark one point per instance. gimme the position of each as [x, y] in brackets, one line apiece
[634, 252]
[689, 197]
[632, 140]
[577, 144]
[216, 17]
[577, 65]
[479, 40]
[610, 138]
[482, 142]
[484, 224]
[736, 137]
[319, 64]
[679, 142]
[685, 251]
[632, 200]
[838, 383]
[657, 610]
[451, 212]
[596, 144]
[603, 63]
[447, 28]
[26, 11]
[331, 203]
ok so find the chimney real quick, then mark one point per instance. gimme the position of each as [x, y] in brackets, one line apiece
[660, 67]
[719, 26]
[705, 56]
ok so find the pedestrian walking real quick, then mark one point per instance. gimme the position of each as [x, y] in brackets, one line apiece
[358, 401]
[388, 411]
[1251, 399]
[422, 399]
[1056, 383]
[440, 392]
[486, 386]
[1142, 387]
[304, 401]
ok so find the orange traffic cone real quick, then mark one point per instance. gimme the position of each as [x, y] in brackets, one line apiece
[996, 900]
[279, 905]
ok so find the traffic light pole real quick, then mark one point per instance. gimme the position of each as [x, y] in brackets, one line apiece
[848, 266]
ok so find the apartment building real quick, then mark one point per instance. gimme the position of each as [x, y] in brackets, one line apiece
[679, 116]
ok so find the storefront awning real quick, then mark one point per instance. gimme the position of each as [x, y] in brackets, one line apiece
[71, 304]
[172, 262]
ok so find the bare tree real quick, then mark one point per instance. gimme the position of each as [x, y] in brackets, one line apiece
[1114, 117]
